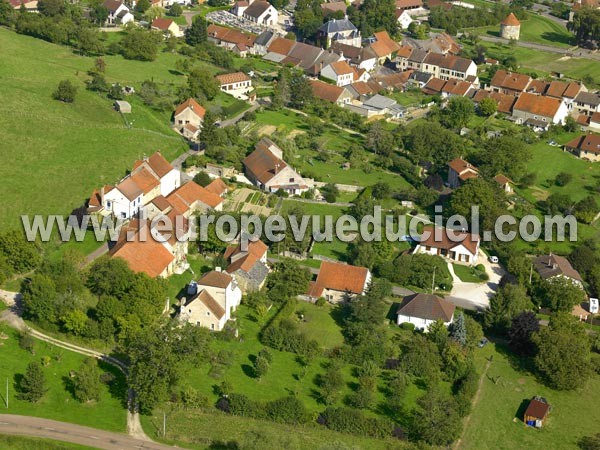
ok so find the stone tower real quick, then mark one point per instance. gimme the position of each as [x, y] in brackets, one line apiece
[510, 27]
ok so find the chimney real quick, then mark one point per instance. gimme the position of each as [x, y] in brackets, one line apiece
[102, 196]
[218, 269]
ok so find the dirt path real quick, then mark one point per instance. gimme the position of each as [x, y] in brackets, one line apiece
[68, 432]
[458, 443]
[12, 317]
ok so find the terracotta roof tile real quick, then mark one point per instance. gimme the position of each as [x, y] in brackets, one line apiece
[341, 68]
[228, 78]
[510, 80]
[184, 197]
[194, 105]
[244, 261]
[511, 20]
[162, 23]
[537, 104]
[217, 187]
[215, 279]
[281, 46]
[339, 277]
[326, 91]
[588, 142]
[440, 238]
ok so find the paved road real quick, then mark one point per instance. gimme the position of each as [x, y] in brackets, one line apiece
[76, 434]
[240, 116]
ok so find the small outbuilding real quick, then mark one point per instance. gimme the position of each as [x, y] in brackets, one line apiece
[123, 107]
[536, 412]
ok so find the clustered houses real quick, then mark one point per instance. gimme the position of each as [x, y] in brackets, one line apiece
[266, 168]
[153, 191]
[339, 30]
[234, 40]
[443, 66]
[585, 147]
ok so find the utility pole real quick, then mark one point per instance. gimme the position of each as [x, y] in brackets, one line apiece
[433, 281]
[164, 424]
[530, 273]
[6, 392]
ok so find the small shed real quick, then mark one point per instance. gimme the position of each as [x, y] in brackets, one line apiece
[123, 107]
[536, 412]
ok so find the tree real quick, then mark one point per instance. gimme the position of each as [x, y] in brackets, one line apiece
[561, 294]
[301, 94]
[589, 442]
[586, 24]
[32, 386]
[488, 107]
[86, 385]
[97, 83]
[88, 41]
[175, 10]
[21, 254]
[308, 17]
[379, 140]
[196, 34]
[140, 44]
[458, 329]
[563, 358]
[75, 321]
[51, 8]
[331, 384]
[288, 279]
[430, 141]
[505, 154]
[458, 112]
[99, 14]
[522, 329]
[586, 209]
[563, 178]
[509, 301]
[65, 92]
[202, 178]
[570, 123]
[202, 84]
[436, 421]
[142, 6]
[481, 193]
[378, 15]
[281, 92]
[260, 366]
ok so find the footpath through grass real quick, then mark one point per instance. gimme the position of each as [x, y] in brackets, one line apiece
[109, 413]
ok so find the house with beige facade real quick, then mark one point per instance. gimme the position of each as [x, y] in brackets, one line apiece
[188, 117]
[210, 301]
[457, 246]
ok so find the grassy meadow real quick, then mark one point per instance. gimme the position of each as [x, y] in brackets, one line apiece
[26, 443]
[496, 420]
[109, 413]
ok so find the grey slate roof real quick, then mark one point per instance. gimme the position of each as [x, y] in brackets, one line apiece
[335, 26]
[421, 77]
[263, 38]
[588, 98]
[380, 102]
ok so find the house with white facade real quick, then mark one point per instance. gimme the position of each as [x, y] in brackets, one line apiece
[118, 13]
[551, 267]
[169, 178]
[339, 72]
[260, 12]
[266, 168]
[404, 19]
[424, 309]
[237, 84]
[457, 246]
[338, 282]
[587, 103]
[211, 300]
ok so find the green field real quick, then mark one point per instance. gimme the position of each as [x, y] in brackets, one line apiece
[26, 443]
[58, 403]
[467, 274]
[53, 154]
[536, 29]
[496, 420]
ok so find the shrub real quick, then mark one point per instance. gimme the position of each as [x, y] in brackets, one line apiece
[287, 410]
[563, 178]
[27, 342]
[320, 302]
[347, 420]
[65, 92]
[407, 326]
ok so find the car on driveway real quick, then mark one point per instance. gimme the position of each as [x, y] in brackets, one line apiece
[494, 259]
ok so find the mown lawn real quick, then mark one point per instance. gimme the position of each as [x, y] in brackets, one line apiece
[467, 274]
[58, 403]
[536, 29]
[496, 421]
[27, 443]
[53, 154]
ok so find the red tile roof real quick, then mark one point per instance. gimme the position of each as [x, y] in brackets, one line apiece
[230, 35]
[589, 143]
[211, 304]
[511, 20]
[229, 78]
[339, 277]
[341, 68]
[145, 180]
[262, 162]
[217, 187]
[184, 197]
[384, 44]
[326, 91]
[510, 80]
[244, 261]
[281, 46]
[537, 104]
[193, 105]
[537, 409]
[162, 23]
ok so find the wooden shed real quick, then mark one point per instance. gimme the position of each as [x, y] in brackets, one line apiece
[123, 107]
[536, 412]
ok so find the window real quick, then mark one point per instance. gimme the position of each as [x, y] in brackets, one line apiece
[207, 313]
[123, 215]
[108, 204]
[212, 326]
[291, 180]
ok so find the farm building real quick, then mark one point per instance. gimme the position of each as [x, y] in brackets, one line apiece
[123, 107]
[536, 412]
